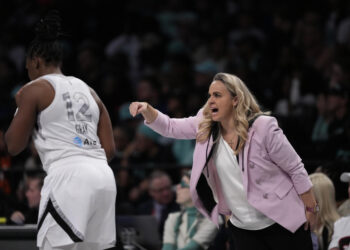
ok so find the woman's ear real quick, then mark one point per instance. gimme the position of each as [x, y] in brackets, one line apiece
[39, 62]
[235, 101]
[35, 63]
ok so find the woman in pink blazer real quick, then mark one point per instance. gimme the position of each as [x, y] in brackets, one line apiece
[243, 167]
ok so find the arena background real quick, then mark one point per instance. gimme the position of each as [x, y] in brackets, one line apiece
[293, 55]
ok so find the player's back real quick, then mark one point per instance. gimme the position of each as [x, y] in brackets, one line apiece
[68, 126]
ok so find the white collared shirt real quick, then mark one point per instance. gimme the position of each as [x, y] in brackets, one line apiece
[243, 215]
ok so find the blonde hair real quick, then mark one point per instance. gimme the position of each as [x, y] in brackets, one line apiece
[246, 109]
[324, 191]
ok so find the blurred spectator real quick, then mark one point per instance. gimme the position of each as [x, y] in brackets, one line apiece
[204, 72]
[33, 186]
[125, 184]
[5, 164]
[122, 137]
[333, 170]
[33, 162]
[320, 129]
[214, 50]
[8, 77]
[341, 236]
[310, 38]
[246, 27]
[139, 192]
[343, 32]
[5, 158]
[162, 201]
[115, 90]
[319, 134]
[344, 209]
[145, 150]
[89, 63]
[177, 75]
[181, 149]
[124, 177]
[339, 126]
[338, 73]
[148, 90]
[325, 195]
[125, 119]
[187, 229]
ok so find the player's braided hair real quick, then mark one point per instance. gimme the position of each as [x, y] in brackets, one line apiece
[46, 43]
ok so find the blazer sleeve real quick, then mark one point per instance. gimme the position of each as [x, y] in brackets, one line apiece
[283, 154]
[178, 128]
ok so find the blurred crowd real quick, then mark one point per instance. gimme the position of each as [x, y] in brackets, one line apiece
[293, 55]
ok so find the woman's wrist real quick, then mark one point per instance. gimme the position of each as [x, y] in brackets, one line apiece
[313, 209]
[150, 114]
[308, 199]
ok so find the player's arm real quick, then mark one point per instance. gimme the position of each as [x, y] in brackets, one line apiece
[17, 135]
[104, 130]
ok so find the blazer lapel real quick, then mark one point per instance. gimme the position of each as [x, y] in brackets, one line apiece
[244, 167]
[199, 160]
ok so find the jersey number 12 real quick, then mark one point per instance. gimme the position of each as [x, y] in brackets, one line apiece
[82, 114]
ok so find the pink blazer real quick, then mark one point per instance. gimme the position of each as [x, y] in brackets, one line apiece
[272, 172]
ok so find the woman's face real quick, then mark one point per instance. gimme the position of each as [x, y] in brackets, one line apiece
[221, 103]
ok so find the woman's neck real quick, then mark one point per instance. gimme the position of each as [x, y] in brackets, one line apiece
[50, 70]
[227, 126]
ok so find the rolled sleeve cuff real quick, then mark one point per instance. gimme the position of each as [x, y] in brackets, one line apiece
[302, 184]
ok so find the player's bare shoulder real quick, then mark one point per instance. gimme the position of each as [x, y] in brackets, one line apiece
[40, 90]
[96, 97]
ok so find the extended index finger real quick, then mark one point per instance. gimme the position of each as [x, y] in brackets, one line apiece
[132, 109]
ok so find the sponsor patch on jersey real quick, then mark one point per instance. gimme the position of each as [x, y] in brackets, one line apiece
[89, 142]
[77, 141]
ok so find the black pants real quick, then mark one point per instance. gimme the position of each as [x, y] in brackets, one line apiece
[274, 237]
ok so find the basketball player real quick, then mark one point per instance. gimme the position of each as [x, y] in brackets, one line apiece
[72, 132]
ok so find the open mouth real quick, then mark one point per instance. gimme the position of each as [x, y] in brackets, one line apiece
[214, 111]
